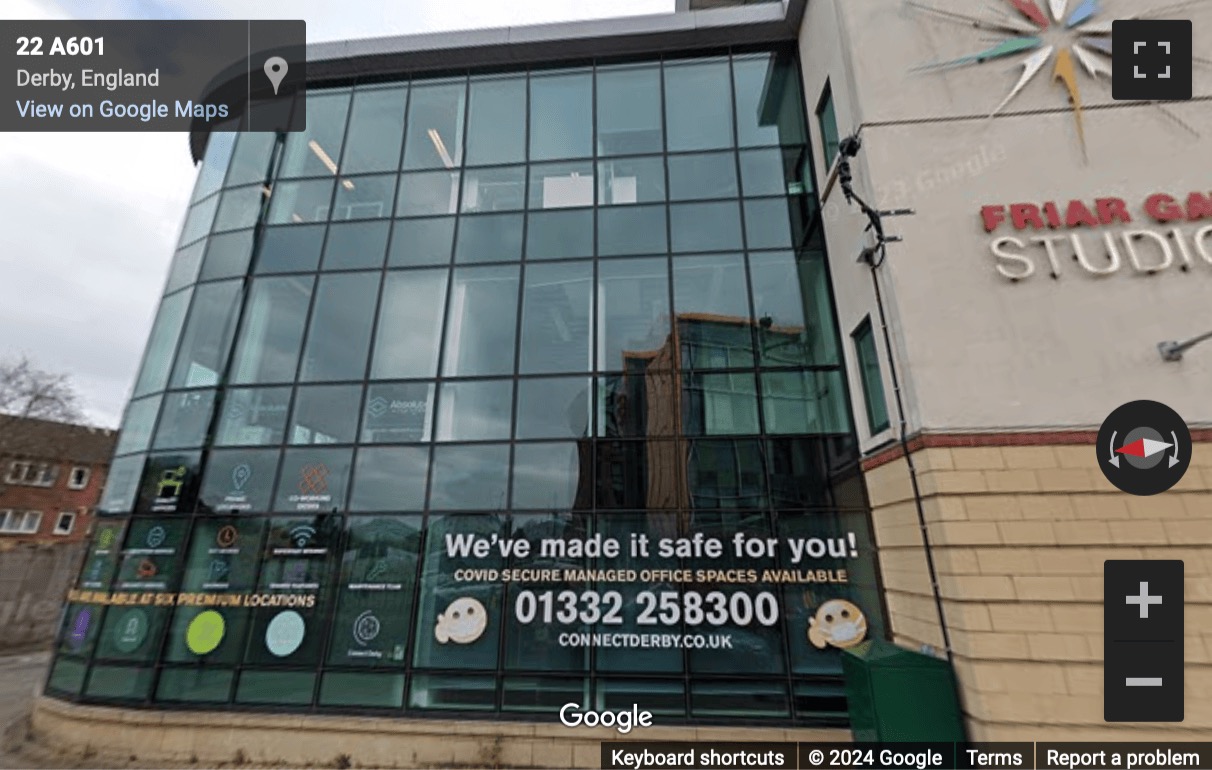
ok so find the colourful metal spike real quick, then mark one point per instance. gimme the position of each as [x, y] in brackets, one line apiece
[1006, 48]
[1067, 73]
[1006, 24]
[1101, 44]
[1058, 8]
[1091, 62]
[1031, 67]
[1032, 11]
[1083, 12]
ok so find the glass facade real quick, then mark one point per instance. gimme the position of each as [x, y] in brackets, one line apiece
[447, 394]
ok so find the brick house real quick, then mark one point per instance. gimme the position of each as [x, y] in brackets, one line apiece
[51, 477]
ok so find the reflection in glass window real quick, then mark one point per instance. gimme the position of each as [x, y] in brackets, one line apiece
[475, 411]
[184, 420]
[782, 288]
[727, 474]
[390, 479]
[629, 110]
[559, 234]
[561, 116]
[421, 242]
[240, 208]
[470, 478]
[376, 131]
[410, 324]
[429, 192]
[227, 255]
[624, 230]
[554, 407]
[772, 172]
[219, 147]
[355, 245]
[801, 471]
[769, 108]
[122, 484]
[253, 416]
[639, 475]
[494, 189]
[712, 305]
[561, 185]
[198, 221]
[268, 350]
[631, 180]
[250, 162]
[719, 404]
[641, 402]
[313, 479]
[873, 380]
[162, 343]
[184, 270]
[314, 152]
[701, 176]
[434, 138]
[136, 432]
[341, 320]
[826, 118]
[633, 312]
[770, 224]
[481, 328]
[326, 414]
[238, 480]
[705, 226]
[489, 238]
[556, 476]
[557, 318]
[300, 202]
[290, 249]
[496, 121]
[207, 336]
[364, 197]
[398, 412]
[698, 105]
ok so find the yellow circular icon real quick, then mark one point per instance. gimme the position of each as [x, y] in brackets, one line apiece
[205, 632]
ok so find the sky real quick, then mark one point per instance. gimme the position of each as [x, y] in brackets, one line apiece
[90, 220]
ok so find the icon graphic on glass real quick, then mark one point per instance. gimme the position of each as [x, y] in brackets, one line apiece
[275, 70]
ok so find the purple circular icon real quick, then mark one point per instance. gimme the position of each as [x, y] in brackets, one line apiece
[83, 620]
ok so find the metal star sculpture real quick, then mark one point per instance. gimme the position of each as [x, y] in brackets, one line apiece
[1073, 33]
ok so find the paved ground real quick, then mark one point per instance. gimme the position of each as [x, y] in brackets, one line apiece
[20, 677]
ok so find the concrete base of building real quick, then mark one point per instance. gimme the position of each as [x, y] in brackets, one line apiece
[103, 734]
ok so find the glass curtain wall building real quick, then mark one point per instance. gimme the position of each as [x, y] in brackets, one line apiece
[569, 303]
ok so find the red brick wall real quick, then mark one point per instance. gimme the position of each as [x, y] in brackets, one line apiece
[51, 501]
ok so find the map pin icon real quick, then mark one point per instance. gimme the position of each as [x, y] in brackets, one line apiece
[275, 70]
[239, 476]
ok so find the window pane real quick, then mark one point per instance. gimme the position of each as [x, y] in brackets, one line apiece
[410, 324]
[640, 402]
[315, 152]
[227, 255]
[313, 479]
[364, 197]
[705, 226]
[162, 342]
[376, 131]
[629, 110]
[268, 350]
[783, 287]
[489, 238]
[481, 328]
[769, 108]
[559, 234]
[137, 425]
[633, 311]
[475, 411]
[390, 479]
[873, 380]
[469, 478]
[430, 192]
[496, 121]
[557, 318]
[435, 126]
[398, 412]
[239, 481]
[494, 189]
[290, 249]
[239, 208]
[339, 335]
[698, 105]
[557, 476]
[561, 185]
[198, 220]
[727, 474]
[208, 333]
[326, 414]
[184, 420]
[769, 223]
[184, 270]
[195, 685]
[276, 687]
[639, 475]
[719, 404]
[712, 306]
[554, 407]
[250, 163]
[804, 402]
[253, 416]
[169, 483]
[827, 122]
[772, 172]
[122, 484]
[356, 245]
[631, 180]
[219, 147]
[299, 202]
[421, 242]
[696, 177]
[631, 230]
[561, 116]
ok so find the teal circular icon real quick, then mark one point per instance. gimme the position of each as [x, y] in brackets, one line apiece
[131, 630]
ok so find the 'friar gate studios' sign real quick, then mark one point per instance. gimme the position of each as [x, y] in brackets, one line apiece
[1102, 238]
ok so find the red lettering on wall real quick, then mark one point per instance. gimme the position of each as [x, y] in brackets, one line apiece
[1078, 215]
[1053, 215]
[1023, 214]
[1163, 208]
[1111, 209]
[1199, 206]
[993, 216]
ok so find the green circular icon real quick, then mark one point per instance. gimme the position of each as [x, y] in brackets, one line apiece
[205, 632]
[131, 631]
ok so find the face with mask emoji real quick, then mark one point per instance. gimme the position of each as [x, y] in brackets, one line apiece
[838, 623]
[462, 623]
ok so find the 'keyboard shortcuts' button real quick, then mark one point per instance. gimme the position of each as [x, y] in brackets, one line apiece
[1143, 641]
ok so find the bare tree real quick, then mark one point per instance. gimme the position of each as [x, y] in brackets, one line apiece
[27, 391]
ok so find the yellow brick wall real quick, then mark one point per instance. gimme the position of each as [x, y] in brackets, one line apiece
[1019, 535]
